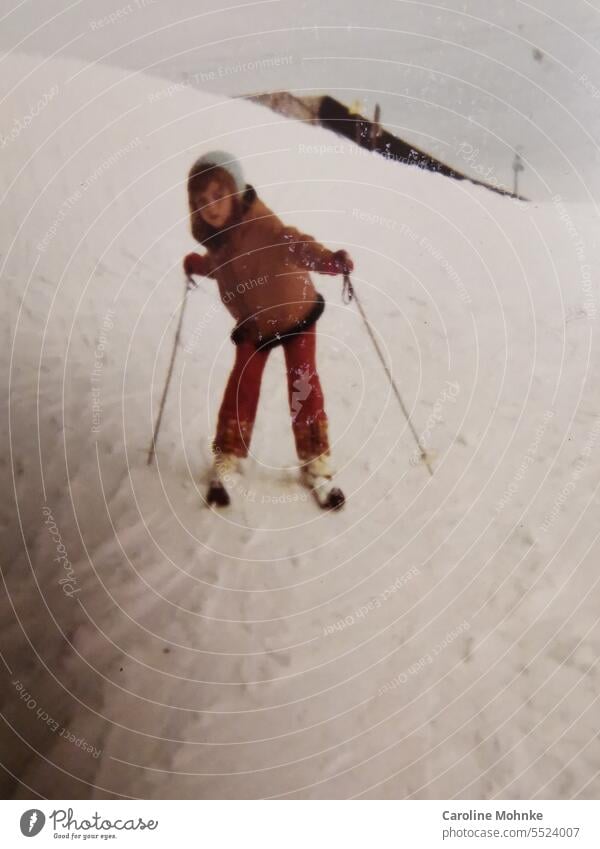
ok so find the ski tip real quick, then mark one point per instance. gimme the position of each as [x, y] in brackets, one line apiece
[217, 495]
[335, 499]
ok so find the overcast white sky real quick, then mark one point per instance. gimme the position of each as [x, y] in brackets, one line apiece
[493, 76]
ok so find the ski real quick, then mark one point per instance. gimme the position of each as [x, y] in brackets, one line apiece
[217, 495]
[328, 497]
[335, 499]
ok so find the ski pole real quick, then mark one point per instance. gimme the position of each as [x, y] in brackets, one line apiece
[151, 451]
[349, 294]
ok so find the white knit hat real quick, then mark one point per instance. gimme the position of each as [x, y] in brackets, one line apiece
[221, 159]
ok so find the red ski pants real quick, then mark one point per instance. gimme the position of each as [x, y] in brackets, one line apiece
[238, 408]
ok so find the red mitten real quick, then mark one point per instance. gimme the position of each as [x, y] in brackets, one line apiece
[195, 264]
[339, 262]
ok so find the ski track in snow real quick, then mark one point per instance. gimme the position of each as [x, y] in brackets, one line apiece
[436, 638]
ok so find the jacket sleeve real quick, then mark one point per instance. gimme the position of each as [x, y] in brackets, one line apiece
[204, 265]
[304, 250]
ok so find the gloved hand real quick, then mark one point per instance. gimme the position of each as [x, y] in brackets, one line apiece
[339, 262]
[194, 264]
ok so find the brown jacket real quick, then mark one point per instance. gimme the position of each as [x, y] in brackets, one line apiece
[261, 267]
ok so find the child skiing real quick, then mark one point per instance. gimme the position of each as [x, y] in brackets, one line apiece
[261, 267]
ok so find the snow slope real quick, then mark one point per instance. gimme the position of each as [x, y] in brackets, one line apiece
[440, 635]
[469, 81]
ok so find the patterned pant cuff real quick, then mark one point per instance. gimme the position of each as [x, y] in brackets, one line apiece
[311, 439]
[233, 437]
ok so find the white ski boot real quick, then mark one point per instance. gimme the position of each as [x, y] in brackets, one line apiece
[224, 468]
[317, 475]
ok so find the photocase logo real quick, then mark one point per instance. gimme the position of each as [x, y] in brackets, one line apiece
[32, 822]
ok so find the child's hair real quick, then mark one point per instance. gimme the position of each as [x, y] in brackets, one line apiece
[200, 176]
[198, 179]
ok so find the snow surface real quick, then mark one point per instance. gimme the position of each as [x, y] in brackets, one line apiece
[439, 637]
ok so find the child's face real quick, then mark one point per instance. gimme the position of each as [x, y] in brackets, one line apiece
[213, 203]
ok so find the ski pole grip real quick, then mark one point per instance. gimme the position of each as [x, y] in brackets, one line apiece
[347, 290]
